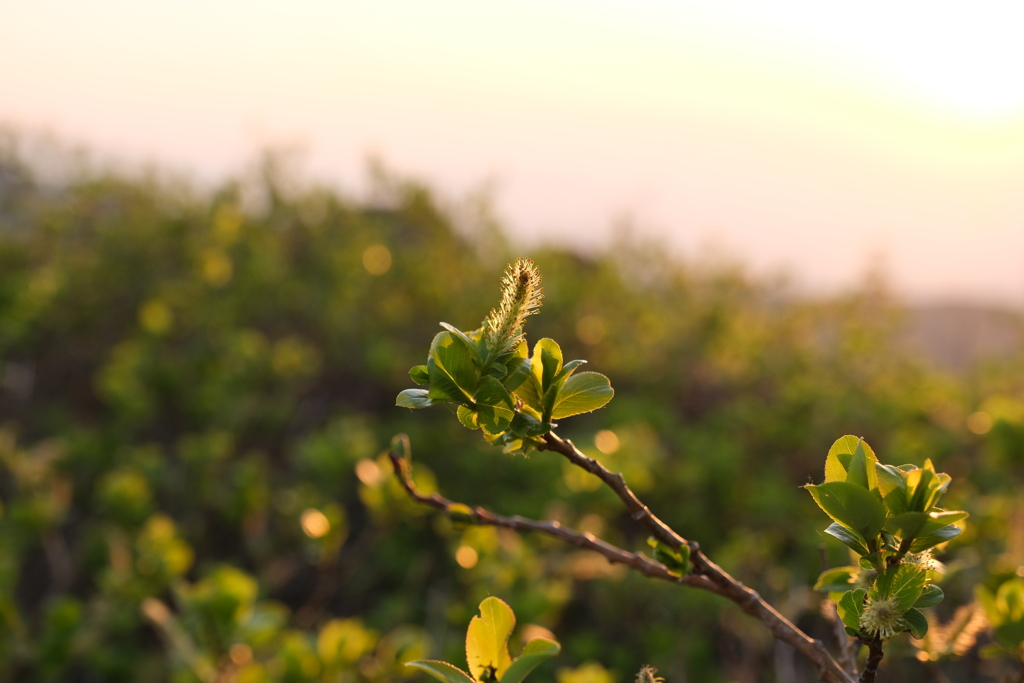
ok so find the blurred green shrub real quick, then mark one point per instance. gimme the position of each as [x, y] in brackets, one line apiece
[195, 384]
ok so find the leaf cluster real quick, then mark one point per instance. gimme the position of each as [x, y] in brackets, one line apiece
[495, 384]
[487, 650]
[889, 517]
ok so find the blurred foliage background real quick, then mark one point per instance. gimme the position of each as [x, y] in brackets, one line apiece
[196, 387]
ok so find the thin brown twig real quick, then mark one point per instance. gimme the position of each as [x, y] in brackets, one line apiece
[747, 599]
[479, 515]
[847, 652]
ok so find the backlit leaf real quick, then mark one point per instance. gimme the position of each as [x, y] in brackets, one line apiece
[493, 406]
[487, 640]
[852, 506]
[582, 393]
[413, 398]
[536, 652]
[442, 671]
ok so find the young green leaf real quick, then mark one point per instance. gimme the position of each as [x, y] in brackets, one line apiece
[852, 506]
[930, 596]
[452, 370]
[527, 425]
[414, 398]
[850, 539]
[906, 525]
[850, 607]
[917, 623]
[582, 393]
[518, 371]
[546, 362]
[487, 640]
[946, 533]
[470, 343]
[468, 418]
[536, 652]
[442, 671]
[890, 479]
[677, 561]
[837, 463]
[568, 369]
[493, 406]
[903, 583]
[836, 580]
[861, 470]
[939, 519]
[419, 374]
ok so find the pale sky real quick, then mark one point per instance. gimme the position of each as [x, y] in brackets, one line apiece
[794, 135]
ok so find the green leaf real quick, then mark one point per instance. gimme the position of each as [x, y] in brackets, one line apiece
[852, 506]
[453, 368]
[944, 534]
[527, 425]
[468, 418]
[518, 372]
[677, 561]
[937, 520]
[837, 463]
[890, 478]
[836, 580]
[906, 525]
[895, 501]
[850, 607]
[473, 348]
[493, 406]
[851, 540]
[536, 652]
[419, 374]
[930, 596]
[871, 560]
[917, 623]
[582, 393]
[919, 487]
[414, 398]
[546, 362]
[442, 671]
[487, 640]
[903, 583]
[861, 470]
[497, 370]
[568, 369]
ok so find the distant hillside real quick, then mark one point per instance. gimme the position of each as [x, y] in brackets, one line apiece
[955, 336]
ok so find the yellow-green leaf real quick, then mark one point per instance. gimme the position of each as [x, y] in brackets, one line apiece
[535, 652]
[442, 671]
[487, 640]
[582, 393]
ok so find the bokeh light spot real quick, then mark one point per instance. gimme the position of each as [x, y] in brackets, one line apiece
[979, 422]
[315, 523]
[590, 330]
[466, 557]
[216, 267]
[155, 317]
[377, 259]
[369, 472]
[241, 654]
[606, 441]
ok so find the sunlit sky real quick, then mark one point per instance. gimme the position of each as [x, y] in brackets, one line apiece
[812, 137]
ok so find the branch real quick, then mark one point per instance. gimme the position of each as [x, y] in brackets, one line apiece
[478, 515]
[875, 655]
[748, 600]
[847, 655]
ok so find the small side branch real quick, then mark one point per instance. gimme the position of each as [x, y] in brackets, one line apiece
[479, 515]
[748, 600]
[875, 655]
